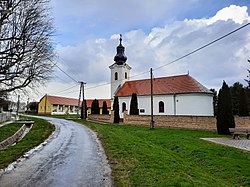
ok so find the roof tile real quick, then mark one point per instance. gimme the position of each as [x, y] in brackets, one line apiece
[74, 102]
[164, 85]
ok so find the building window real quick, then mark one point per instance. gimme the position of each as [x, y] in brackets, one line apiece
[126, 75]
[161, 107]
[142, 110]
[123, 107]
[41, 107]
[116, 76]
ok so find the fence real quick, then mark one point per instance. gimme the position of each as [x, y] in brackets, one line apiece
[187, 122]
[5, 116]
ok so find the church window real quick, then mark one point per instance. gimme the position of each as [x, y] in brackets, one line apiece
[126, 75]
[116, 76]
[123, 107]
[142, 110]
[161, 107]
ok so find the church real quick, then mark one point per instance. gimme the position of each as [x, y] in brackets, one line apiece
[173, 95]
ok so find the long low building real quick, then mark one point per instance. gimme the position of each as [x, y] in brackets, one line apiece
[175, 95]
[49, 104]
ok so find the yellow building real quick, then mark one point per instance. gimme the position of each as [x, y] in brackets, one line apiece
[61, 105]
[57, 105]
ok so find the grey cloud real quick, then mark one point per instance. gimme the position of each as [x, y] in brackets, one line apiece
[225, 60]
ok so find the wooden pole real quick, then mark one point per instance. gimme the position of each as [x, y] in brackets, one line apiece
[81, 83]
[83, 103]
[152, 125]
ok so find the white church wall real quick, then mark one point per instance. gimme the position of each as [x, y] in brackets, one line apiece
[125, 100]
[194, 104]
[186, 104]
[168, 101]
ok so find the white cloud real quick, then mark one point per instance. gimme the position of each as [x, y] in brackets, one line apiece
[233, 12]
[224, 60]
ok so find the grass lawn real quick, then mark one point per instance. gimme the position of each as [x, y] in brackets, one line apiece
[170, 157]
[9, 130]
[39, 132]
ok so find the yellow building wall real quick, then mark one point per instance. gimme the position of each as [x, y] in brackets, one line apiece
[45, 103]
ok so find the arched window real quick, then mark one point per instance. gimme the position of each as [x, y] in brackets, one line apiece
[116, 76]
[123, 107]
[161, 107]
[126, 75]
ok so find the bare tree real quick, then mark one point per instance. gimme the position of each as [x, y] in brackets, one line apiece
[26, 51]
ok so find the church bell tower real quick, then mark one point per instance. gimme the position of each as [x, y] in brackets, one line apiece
[120, 71]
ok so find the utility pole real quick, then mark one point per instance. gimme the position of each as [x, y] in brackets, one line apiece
[79, 100]
[83, 112]
[152, 123]
[83, 116]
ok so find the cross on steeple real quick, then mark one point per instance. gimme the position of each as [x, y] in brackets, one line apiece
[120, 39]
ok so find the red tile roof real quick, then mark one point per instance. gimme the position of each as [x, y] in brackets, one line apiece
[164, 85]
[74, 102]
[89, 102]
[62, 100]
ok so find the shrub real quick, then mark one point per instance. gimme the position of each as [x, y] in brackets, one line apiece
[225, 118]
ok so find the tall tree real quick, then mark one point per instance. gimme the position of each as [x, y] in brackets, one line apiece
[104, 108]
[243, 108]
[225, 118]
[235, 93]
[26, 51]
[95, 109]
[134, 105]
[116, 110]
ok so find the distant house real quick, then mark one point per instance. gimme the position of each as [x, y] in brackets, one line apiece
[61, 105]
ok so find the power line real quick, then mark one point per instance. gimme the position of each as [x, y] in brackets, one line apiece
[202, 47]
[66, 73]
[88, 88]
[61, 91]
[104, 84]
[57, 77]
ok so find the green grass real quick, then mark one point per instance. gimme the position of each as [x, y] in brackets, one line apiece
[9, 130]
[170, 157]
[39, 132]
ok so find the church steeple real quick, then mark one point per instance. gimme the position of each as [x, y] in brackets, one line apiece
[120, 57]
[120, 70]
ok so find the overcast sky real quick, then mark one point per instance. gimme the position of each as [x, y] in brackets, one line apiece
[155, 32]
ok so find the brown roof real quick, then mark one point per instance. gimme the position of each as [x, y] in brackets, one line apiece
[100, 101]
[74, 102]
[165, 85]
[62, 100]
